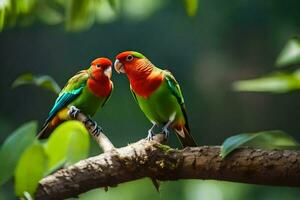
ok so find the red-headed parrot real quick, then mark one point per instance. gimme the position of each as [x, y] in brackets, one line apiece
[157, 93]
[87, 91]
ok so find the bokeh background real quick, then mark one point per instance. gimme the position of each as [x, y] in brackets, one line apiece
[224, 42]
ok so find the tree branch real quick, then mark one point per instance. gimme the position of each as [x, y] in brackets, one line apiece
[159, 162]
[152, 159]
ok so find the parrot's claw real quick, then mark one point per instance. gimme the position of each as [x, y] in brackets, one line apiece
[166, 131]
[96, 130]
[151, 133]
[73, 112]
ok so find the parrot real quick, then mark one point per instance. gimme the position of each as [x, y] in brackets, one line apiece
[86, 91]
[158, 95]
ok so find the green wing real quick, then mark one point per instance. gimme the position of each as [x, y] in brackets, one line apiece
[175, 88]
[71, 90]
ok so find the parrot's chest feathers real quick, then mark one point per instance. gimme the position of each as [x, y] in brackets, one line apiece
[145, 86]
[100, 88]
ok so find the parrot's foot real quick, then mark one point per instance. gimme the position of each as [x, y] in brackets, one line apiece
[151, 133]
[73, 112]
[165, 129]
[95, 129]
[166, 132]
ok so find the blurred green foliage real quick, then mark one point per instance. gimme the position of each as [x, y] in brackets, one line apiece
[191, 7]
[30, 169]
[192, 190]
[78, 14]
[45, 82]
[280, 81]
[290, 53]
[277, 82]
[30, 160]
[67, 144]
[14, 146]
[264, 140]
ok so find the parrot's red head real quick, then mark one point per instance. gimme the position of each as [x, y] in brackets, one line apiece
[130, 62]
[99, 81]
[100, 67]
[143, 77]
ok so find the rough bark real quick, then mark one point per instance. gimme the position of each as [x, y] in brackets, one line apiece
[152, 159]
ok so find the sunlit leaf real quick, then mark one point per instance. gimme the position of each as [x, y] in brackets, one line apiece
[49, 15]
[13, 147]
[265, 140]
[191, 7]
[11, 14]
[141, 9]
[45, 82]
[25, 6]
[79, 14]
[13, 10]
[113, 4]
[30, 169]
[105, 13]
[4, 4]
[78, 147]
[4, 7]
[290, 53]
[68, 144]
[276, 83]
[2, 18]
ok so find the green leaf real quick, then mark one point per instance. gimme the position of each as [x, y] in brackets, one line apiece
[290, 53]
[142, 9]
[275, 83]
[49, 15]
[113, 4]
[191, 7]
[79, 14]
[30, 169]
[2, 18]
[265, 140]
[25, 6]
[4, 8]
[106, 12]
[45, 82]
[13, 147]
[68, 144]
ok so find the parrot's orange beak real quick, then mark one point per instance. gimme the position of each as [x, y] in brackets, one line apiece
[119, 67]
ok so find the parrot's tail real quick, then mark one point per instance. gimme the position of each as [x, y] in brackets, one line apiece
[48, 127]
[185, 137]
[45, 131]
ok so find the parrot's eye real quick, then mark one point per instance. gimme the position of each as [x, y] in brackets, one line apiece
[98, 65]
[129, 58]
